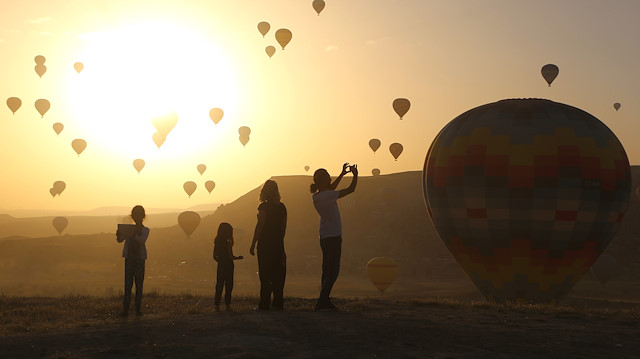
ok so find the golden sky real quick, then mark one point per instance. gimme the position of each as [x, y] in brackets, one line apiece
[316, 103]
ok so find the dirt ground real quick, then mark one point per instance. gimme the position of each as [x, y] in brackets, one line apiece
[393, 327]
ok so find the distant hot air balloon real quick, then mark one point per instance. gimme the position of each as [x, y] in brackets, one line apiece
[209, 185]
[165, 123]
[306, 168]
[78, 145]
[138, 164]
[375, 171]
[244, 132]
[78, 66]
[283, 36]
[374, 144]
[396, 150]
[616, 106]
[40, 70]
[201, 168]
[318, 6]
[382, 272]
[42, 105]
[59, 187]
[401, 106]
[189, 221]
[53, 192]
[270, 50]
[60, 223]
[604, 269]
[40, 60]
[58, 127]
[216, 115]
[190, 187]
[14, 104]
[550, 72]
[514, 245]
[263, 27]
[158, 139]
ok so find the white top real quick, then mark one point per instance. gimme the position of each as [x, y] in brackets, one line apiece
[141, 239]
[326, 204]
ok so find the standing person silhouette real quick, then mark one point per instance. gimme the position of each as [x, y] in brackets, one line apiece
[223, 254]
[134, 252]
[325, 201]
[269, 235]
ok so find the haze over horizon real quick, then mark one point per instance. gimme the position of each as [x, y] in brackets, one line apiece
[317, 103]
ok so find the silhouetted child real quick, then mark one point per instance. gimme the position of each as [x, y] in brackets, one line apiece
[223, 254]
[269, 235]
[325, 201]
[134, 252]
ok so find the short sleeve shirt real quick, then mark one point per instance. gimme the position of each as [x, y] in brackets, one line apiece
[326, 205]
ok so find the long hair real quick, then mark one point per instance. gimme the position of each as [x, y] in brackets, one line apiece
[225, 232]
[318, 176]
[270, 192]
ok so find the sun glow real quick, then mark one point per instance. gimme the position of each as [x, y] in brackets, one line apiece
[135, 73]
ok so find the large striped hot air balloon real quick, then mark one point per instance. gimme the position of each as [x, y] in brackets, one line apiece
[526, 194]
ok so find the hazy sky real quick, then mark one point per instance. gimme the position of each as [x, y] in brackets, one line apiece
[316, 103]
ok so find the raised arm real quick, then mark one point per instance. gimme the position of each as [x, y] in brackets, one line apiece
[352, 186]
[262, 217]
[336, 182]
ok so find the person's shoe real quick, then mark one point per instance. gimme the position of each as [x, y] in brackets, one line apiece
[217, 308]
[228, 308]
[261, 309]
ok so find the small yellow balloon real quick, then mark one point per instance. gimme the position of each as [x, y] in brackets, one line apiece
[78, 66]
[270, 50]
[53, 192]
[210, 185]
[165, 123]
[382, 272]
[263, 27]
[189, 187]
[42, 105]
[283, 36]
[306, 168]
[158, 139]
[138, 164]
[59, 187]
[58, 127]
[40, 69]
[78, 145]
[216, 115]
[14, 104]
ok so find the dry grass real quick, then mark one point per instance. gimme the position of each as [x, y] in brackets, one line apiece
[44, 314]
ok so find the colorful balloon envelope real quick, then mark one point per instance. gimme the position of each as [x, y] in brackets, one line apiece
[382, 272]
[189, 222]
[526, 194]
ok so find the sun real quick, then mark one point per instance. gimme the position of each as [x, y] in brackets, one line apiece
[135, 73]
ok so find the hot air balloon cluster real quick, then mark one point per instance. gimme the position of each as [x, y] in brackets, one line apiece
[164, 125]
[40, 66]
[244, 133]
[526, 194]
[283, 36]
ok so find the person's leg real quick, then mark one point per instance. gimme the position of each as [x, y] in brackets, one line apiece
[323, 246]
[333, 249]
[139, 277]
[279, 274]
[219, 285]
[228, 284]
[128, 284]
[265, 280]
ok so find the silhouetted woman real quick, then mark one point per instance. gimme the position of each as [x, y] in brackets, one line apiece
[269, 234]
[223, 254]
[325, 201]
[134, 252]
